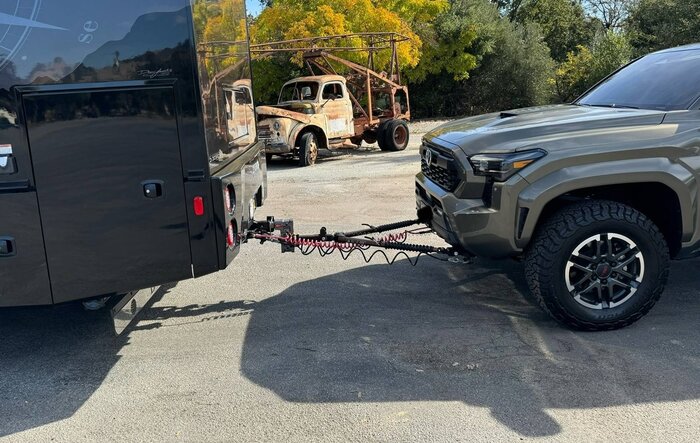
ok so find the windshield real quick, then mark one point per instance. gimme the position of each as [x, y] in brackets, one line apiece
[299, 91]
[666, 81]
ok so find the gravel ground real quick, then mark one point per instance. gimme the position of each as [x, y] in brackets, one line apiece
[301, 349]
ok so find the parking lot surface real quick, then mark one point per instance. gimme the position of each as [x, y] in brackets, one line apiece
[293, 348]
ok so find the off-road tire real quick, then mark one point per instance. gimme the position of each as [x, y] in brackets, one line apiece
[268, 157]
[394, 136]
[308, 149]
[558, 237]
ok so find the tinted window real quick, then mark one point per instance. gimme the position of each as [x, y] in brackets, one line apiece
[221, 33]
[299, 91]
[667, 81]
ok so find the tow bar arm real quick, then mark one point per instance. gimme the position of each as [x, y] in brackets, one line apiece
[360, 240]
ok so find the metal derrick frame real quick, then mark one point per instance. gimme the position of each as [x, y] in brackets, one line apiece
[319, 56]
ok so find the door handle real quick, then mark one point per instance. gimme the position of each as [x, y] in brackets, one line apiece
[152, 189]
[8, 165]
[7, 247]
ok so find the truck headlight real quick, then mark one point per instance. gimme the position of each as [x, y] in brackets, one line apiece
[503, 166]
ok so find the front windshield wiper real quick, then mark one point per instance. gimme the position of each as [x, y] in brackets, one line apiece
[603, 105]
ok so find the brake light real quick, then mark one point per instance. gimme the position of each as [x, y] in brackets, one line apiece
[231, 234]
[230, 199]
[198, 205]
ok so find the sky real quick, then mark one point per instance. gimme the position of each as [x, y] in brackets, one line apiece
[253, 7]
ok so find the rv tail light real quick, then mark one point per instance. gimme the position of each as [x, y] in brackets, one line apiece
[198, 205]
[230, 198]
[232, 235]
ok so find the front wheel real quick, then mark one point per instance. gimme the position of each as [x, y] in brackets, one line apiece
[597, 265]
[308, 149]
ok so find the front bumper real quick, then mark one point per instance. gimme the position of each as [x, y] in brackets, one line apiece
[479, 222]
[276, 147]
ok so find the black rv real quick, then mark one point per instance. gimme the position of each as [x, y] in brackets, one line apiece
[128, 152]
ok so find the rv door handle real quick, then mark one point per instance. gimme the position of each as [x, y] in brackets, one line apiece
[152, 189]
[7, 247]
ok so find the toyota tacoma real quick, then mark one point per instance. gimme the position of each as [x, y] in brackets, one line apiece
[596, 197]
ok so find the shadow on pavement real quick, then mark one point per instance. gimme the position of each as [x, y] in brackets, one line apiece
[52, 359]
[436, 332]
[442, 332]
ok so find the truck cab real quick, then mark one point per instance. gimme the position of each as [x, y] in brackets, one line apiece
[317, 105]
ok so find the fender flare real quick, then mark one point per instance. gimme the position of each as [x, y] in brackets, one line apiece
[298, 129]
[535, 197]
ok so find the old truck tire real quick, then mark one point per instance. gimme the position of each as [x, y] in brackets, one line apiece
[370, 137]
[394, 136]
[308, 149]
[597, 265]
[381, 131]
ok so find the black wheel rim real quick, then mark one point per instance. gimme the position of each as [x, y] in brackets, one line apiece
[604, 271]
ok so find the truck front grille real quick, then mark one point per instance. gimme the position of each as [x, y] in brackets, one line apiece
[264, 132]
[440, 167]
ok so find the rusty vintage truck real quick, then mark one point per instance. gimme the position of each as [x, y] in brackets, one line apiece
[327, 110]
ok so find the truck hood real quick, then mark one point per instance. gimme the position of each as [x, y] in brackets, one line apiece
[547, 127]
[277, 112]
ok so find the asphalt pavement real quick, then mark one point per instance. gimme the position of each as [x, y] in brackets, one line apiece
[300, 349]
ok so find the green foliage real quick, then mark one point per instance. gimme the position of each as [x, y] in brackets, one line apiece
[461, 36]
[659, 24]
[563, 24]
[514, 69]
[517, 74]
[475, 56]
[585, 67]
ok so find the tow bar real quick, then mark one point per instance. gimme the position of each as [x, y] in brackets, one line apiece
[347, 243]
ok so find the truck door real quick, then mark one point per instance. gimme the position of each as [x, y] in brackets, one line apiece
[240, 115]
[24, 276]
[110, 187]
[338, 109]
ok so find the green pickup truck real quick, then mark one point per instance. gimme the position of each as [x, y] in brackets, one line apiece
[595, 196]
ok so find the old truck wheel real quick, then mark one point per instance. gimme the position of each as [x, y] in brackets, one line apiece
[308, 149]
[597, 265]
[370, 137]
[381, 135]
[395, 135]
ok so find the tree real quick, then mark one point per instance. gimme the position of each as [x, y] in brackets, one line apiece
[512, 65]
[611, 13]
[293, 19]
[516, 75]
[460, 36]
[563, 24]
[659, 24]
[585, 67]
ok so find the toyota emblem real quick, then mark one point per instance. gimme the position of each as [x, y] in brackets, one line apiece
[428, 156]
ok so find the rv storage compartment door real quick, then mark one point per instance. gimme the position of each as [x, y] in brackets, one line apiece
[110, 187]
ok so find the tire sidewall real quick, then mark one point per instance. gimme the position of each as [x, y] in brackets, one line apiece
[305, 154]
[653, 270]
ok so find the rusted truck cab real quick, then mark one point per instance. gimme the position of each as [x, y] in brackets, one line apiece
[316, 109]
[321, 112]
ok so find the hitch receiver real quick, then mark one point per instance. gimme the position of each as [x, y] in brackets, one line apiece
[269, 226]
